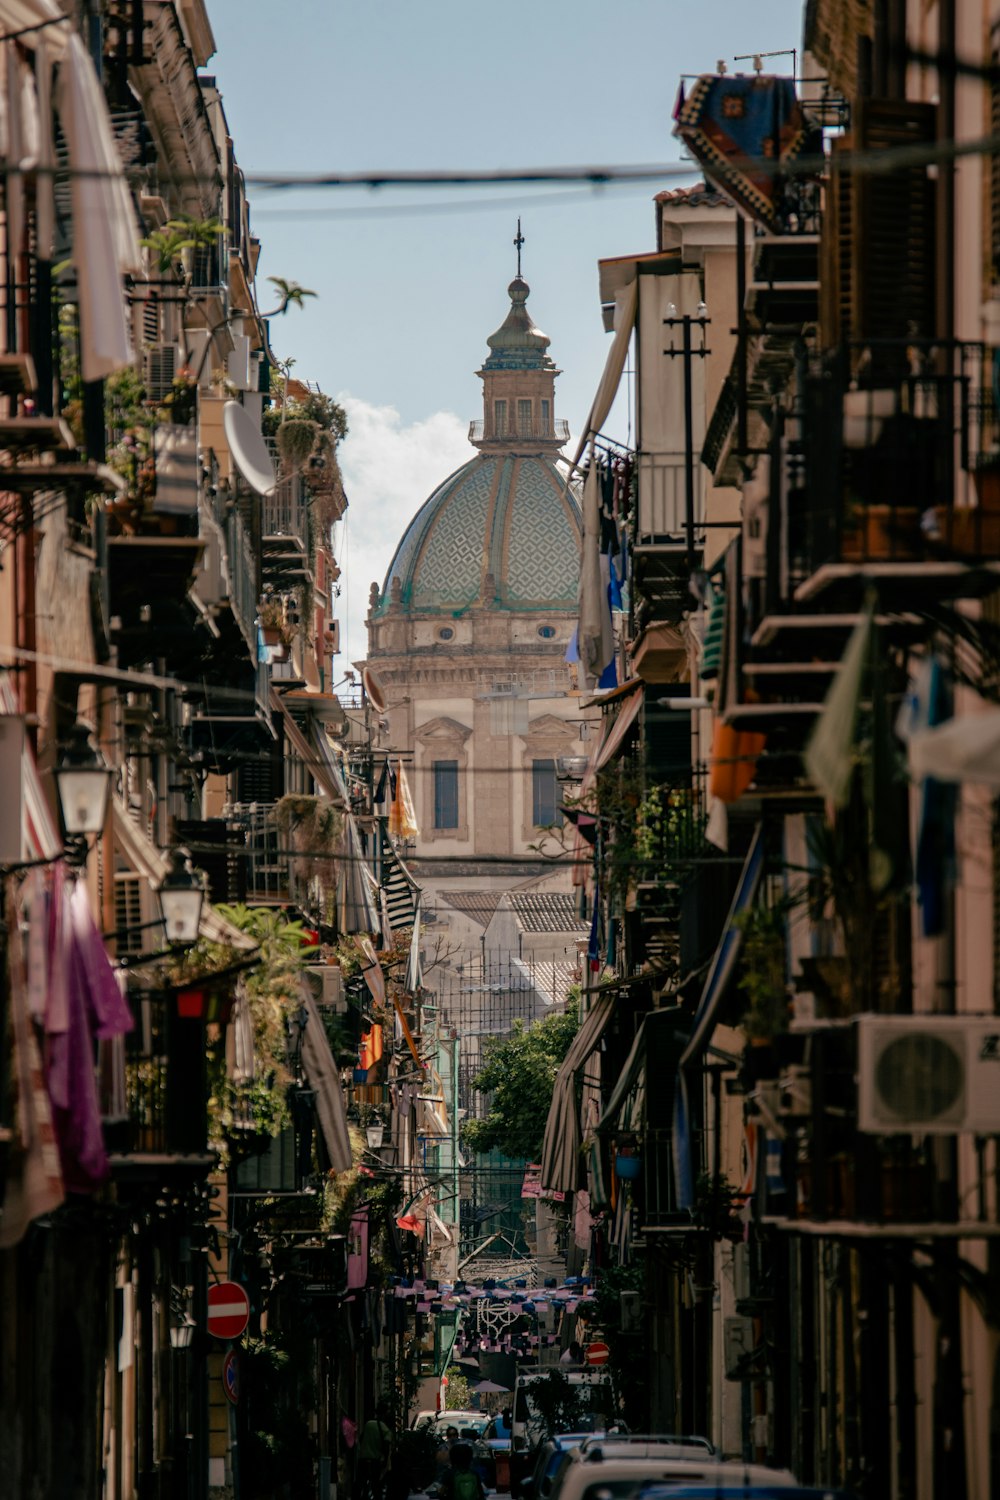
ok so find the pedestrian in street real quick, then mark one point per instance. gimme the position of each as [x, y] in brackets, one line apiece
[572, 1354]
[375, 1453]
[459, 1481]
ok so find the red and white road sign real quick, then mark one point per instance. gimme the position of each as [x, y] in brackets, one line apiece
[228, 1310]
[596, 1353]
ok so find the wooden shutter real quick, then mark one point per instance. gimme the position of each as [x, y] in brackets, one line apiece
[877, 250]
[993, 173]
[894, 225]
[837, 251]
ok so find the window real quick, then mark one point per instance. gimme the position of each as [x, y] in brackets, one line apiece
[546, 632]
[544, 794]
[546, 418]
[446, 633]
[499, 418]
[446, 794]
[524, 418]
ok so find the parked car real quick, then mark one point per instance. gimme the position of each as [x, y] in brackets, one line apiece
[423, 1419]
[598, 1472]
[749, 1491]
[466, 1421]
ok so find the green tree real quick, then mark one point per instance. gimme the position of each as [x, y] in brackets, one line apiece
[518, 1074]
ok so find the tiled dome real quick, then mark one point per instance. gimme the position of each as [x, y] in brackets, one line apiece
[502, 530]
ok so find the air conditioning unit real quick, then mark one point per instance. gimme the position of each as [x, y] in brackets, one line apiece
[933, 1075]
[327, 984]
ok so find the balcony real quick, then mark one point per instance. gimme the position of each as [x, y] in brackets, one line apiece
[164, 1123]
[276, 874]
[285, 529]
[895, 479]
[668, 536]
[510, 434]
[655, 1206]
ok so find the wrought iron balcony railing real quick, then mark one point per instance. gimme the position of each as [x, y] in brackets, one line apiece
[891, 456]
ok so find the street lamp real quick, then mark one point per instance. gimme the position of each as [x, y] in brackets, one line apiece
[182, 895]
[375, 1133]
[83, 779]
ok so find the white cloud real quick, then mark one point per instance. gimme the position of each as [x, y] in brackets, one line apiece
[389, 471]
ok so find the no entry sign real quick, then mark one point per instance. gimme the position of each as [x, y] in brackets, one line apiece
[228, 1310]
[596, 1354]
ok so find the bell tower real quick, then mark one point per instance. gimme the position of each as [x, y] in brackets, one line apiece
[518, 383]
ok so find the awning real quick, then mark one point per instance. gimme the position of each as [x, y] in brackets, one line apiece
[658, 1028]
[724, 960]
[615, 738]
[400, 888]
[105, 238]
[355, 884]
[329, 761]
[628, 1079]
[315, 764]
[563, 1136]
[627, 305]
[147, 860]
[321, 1071]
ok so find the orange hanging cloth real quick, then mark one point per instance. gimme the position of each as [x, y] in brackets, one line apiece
[733, 761]
[370, 1051]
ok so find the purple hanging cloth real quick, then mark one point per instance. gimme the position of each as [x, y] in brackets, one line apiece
[90, 1007]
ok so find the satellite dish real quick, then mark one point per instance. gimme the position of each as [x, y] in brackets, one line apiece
[374, 691]
[248, 448]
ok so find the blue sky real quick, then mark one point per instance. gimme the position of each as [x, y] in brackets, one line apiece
[411, 282]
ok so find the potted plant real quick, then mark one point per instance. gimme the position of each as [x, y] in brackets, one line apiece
[628, 1159]
[763, 978]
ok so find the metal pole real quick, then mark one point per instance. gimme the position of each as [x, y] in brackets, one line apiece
[688, 442]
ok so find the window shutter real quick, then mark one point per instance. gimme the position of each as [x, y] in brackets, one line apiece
[161, 365]
[836, 252]
[128, 912]
[878, 240]
[894, 224]
[993, 175]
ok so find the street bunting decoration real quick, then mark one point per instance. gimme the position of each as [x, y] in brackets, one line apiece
[496, 1308]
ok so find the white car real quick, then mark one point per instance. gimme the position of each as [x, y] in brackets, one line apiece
[590, 1474]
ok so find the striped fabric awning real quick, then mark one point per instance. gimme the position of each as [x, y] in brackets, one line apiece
[399, 887]
[563, 1135]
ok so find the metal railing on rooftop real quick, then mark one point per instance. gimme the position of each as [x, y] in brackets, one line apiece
[554, 430]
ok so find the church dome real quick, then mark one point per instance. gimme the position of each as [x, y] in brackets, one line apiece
[502, 531]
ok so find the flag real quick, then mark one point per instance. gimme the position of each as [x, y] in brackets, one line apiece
[402, 818]
[414, 976]
[831, 753]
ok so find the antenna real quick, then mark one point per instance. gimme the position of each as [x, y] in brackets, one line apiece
[518, 242]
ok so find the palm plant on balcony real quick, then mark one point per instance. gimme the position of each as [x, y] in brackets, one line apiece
[176, 244]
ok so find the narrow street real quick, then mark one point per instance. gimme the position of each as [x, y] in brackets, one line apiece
[500, 726]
